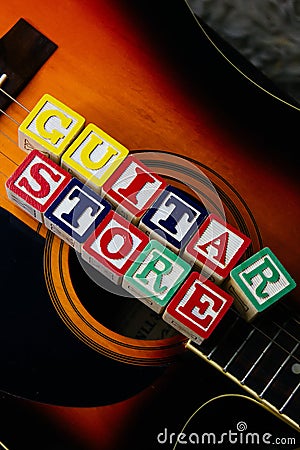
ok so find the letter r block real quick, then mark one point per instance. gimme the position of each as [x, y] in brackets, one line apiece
[197, 308]
[93, 157]
[36, 183]
[155, 275]
[258, 283]
[75, 214]
[50, 128]
[114, 246]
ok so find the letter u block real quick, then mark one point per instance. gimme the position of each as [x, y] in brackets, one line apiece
[173, 218]
[75, 214]
[258, 283]
[50, 128]
[114, 246]
[36, 183]
[216, 248]
[132, 189]
[155, 275]
[197, 308]
[93, 157]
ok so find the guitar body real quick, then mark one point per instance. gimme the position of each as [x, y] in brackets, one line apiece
[146, 74]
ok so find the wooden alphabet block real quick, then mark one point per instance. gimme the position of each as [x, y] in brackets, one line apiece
[93, 157]
[258, 283]
[216, 248]
[132, 189]
[50, 128]
[75, 213]
[36, 183]
[155, 275]
[173, 218]
[114, 246]
[197, 308]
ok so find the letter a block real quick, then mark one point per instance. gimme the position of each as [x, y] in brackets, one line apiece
[114, 246]
[173, 218]
[36, 183]
[216, 248]
[155, 276]
[50, 128]
[197, 308]
[258, 283]
[75, 213]
[132, 189]
[93, 157]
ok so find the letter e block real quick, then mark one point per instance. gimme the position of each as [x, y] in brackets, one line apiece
[216, 248]
[258, 283]
[132, 189]
[197, 308]
[50, 128]
[114, 246]
[36, 183]
[155, 275]
[75, 214]
[93, 157]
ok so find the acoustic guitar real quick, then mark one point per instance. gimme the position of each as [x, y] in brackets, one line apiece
[93, 369]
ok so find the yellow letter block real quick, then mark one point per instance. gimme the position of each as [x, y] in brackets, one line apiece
[93, 157]
[50, 128]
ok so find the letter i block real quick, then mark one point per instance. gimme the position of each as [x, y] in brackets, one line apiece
[75, 213]
[216, 248]
[132, 189]
[50, 128]
[197, 308]
[173, 218]
[93, 157]
[155, 276]
[258, 283]
[114, 246]
[36, 183]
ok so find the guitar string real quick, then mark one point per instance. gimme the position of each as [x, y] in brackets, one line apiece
[3, 446]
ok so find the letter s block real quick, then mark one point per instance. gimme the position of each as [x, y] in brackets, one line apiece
[258, 283]
[197, 308]
[50, 128]
[36, 183]
[75, 214]
[93, 157]
[114, 246]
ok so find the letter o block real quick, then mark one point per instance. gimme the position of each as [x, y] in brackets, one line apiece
[36, 183]
[50, 128]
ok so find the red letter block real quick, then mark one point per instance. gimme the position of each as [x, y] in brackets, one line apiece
[36, 183]
[197, 308]
[114, 246]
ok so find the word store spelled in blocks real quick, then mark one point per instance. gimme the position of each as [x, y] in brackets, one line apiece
[36, 183]
[197, 307]
[173, 218]
[76, 213]
[216, 248]
[50, 128]
[258, 283]
[132, 189]
[155, 275]
[114, 246]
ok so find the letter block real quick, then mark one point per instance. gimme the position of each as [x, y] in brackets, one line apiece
[258, 283]
[93, 157]
[75, 213]
[114, 246]
[132, 189]
[50, 128]
[173, 218]
[197, 308]
[155, 275]
[216, 248]
[36, 183]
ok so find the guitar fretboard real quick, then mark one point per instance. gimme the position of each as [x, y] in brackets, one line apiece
[263, 356]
